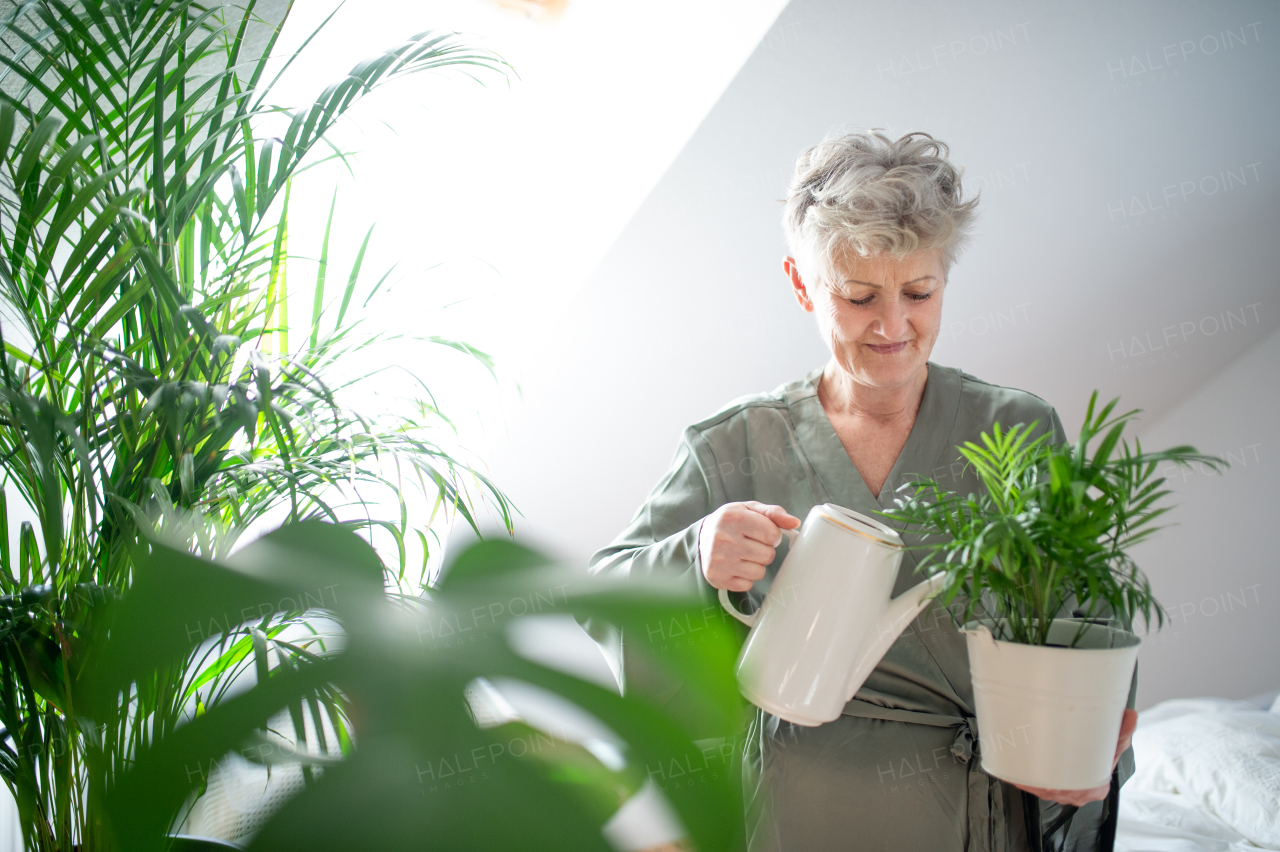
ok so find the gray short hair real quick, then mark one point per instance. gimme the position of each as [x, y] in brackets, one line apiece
[864, 194]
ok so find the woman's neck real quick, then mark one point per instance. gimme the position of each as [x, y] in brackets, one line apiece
[841, 394]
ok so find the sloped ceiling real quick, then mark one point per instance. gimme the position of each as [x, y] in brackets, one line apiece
[1126, 155]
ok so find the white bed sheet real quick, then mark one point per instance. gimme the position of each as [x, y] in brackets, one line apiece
[1152, 820]
[1171, 822]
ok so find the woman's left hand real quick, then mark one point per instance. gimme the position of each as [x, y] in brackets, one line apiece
[1096, 794]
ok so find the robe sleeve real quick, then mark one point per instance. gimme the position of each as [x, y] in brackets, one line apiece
[1055, 423]
[662, 537]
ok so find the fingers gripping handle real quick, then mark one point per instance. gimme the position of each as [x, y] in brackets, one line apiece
[750, 620]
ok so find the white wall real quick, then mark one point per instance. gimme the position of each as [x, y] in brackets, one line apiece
[1218, 570]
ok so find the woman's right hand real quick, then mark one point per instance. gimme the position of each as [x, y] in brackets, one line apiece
[737, 542]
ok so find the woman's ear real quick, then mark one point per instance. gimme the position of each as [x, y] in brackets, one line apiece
[797, 283]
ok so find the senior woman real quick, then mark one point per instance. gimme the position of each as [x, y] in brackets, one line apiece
[874, 225]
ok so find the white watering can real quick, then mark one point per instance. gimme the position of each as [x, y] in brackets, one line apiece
[828, 619]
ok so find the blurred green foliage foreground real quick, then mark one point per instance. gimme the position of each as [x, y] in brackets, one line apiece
[405, 692]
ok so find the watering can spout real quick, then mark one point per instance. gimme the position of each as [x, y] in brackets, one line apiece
[905, 607]
[897, 615]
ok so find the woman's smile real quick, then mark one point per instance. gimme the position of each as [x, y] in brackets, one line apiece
[887, 348]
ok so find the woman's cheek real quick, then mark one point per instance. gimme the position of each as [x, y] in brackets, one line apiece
[840, 331]
[934, 327]
[840, 323]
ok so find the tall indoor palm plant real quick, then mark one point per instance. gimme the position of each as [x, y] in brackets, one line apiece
[148, 362]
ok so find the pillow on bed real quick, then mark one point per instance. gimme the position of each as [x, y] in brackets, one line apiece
[1228, 762]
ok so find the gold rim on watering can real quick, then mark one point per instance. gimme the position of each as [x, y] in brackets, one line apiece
[862, 533]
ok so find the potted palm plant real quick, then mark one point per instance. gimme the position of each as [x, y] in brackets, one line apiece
[1041, 561]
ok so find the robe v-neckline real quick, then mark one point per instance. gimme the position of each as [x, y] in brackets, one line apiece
[922, 452]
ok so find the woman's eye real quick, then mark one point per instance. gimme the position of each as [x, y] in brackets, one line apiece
[915, 297]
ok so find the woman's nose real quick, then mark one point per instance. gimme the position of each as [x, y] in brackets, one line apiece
[893, 319]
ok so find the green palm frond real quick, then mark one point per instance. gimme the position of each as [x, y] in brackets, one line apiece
[1052, 529]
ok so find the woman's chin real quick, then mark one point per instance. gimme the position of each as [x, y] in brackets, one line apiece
[887, 370]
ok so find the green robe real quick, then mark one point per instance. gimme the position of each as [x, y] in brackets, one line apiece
[898, 770]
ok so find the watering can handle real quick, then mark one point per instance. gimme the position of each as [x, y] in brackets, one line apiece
[750, 620]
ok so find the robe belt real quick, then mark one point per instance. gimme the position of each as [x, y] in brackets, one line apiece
[986, 815]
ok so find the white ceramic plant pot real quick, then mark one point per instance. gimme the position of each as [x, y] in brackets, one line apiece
[1050, 716]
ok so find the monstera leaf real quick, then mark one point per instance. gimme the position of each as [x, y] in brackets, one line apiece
[423, 769]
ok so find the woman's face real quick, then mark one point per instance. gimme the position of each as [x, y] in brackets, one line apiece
[879, 315]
